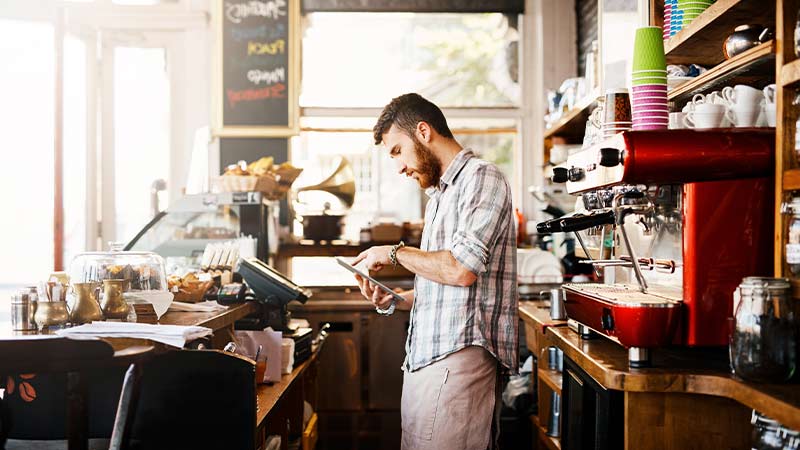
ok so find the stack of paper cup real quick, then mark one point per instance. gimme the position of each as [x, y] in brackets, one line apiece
[690, 9]
[649, 79]
[667, 27]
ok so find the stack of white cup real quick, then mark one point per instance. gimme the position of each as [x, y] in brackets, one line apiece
[740, 106]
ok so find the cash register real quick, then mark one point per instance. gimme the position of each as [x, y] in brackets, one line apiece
[273, 291]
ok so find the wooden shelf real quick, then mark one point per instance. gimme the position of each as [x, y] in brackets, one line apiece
[552, 443]
[790, 73]
[573, 122]
[701, 41]
[756, 65]
[551, 378]
[791, 180]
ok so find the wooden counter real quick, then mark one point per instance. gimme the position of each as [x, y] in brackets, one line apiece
[681, 380]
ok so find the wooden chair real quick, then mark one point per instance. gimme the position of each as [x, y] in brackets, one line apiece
[21, 359]
[196, 399]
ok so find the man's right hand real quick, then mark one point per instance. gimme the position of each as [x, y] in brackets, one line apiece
[373, 293]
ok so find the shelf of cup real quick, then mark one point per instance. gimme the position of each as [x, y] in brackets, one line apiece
[573, 122]
[701, 42]
[790, 73]
[753, 67]
[791, 180]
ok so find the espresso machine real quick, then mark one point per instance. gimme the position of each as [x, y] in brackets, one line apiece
[684, 215]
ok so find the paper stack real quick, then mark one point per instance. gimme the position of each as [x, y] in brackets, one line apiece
[174, 335]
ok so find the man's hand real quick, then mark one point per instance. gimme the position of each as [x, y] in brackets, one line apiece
[375, 257]
[373, 293]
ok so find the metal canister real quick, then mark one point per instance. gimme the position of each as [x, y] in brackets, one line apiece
[23, 307]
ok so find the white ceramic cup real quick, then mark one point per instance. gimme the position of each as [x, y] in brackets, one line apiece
[769, 94]
[769, 112]
[706, 115]
[712, 97]
[676, 120]
[742, 95]
[740, 117]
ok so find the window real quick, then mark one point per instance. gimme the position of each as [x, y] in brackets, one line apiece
[27, 116]
[355, 63]
[365, 59]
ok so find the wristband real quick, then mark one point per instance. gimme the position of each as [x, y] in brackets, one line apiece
[393, 253]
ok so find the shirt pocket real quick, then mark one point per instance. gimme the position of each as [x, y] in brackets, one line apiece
[420, 401]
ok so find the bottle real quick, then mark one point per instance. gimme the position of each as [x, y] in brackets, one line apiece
[520, 227]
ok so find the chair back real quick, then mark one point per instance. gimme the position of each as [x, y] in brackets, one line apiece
[196, 399]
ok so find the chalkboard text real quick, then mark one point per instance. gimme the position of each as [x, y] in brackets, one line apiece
[247, 95]
[272, 9]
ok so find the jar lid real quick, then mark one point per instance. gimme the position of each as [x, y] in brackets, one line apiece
[762, 421]
[765, 282]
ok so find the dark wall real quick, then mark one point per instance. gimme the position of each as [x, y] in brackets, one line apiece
[586, 18]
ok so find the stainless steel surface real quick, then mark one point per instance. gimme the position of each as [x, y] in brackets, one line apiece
[552, 358]
[745, 37]
[627, 295]
[639, 357]
[22, 311]
[554, 420]
[557, 309]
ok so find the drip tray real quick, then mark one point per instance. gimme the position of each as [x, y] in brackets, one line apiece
[624, 295]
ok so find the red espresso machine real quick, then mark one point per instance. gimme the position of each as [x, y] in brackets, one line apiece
[687, 214]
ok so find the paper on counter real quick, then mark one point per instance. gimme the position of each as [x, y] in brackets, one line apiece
[159, 299]
[174, 335]
[211, 306]
[270, 342]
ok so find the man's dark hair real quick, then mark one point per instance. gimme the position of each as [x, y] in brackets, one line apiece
[406, 111]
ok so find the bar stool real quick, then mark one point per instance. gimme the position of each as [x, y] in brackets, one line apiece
[75, 357]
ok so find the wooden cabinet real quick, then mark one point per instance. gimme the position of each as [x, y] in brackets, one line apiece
[688, 400]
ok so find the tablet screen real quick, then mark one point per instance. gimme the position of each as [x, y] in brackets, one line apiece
[363, 274]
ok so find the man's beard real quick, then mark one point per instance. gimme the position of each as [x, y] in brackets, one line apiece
[429, 168]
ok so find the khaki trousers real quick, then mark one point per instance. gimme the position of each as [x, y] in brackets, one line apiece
[452, 403]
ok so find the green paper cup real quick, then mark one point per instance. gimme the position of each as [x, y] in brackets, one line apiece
[643, 81]
[648, 49]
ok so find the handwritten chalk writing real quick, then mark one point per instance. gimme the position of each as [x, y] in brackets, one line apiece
[266, 48]
[248, 95]
[267, 76]
[261, 32]
[236, 12]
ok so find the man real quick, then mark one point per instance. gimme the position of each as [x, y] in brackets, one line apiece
[463, 326]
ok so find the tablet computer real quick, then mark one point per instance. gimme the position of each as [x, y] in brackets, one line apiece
[349, 267]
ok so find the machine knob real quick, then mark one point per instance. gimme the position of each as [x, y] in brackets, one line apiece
[610, 157]
[560, 174]
[575, 174]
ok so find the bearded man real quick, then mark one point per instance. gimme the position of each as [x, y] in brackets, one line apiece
[463, 330]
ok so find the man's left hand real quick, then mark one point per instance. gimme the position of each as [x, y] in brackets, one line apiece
[375, 257]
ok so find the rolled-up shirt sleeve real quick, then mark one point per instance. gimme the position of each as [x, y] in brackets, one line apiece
[482, 210]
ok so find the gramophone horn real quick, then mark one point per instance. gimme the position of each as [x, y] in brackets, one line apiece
[341, 183]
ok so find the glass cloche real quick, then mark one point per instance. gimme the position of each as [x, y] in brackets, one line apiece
[143, 271]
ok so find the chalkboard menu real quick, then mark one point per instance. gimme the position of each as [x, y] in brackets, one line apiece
[257, 67]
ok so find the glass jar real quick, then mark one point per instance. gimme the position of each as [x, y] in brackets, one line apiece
[762, 346]
[793, 241]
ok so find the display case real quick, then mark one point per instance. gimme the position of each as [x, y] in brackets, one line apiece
[181, 233]
[140, 270]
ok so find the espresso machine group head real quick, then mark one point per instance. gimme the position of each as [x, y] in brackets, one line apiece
[689, 214]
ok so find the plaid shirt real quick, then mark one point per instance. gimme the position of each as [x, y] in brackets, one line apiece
[469, 214]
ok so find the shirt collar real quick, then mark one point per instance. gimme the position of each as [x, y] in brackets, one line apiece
[452, 171]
